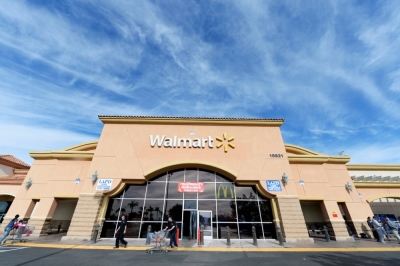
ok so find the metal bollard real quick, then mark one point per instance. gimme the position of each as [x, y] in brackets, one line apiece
[148, 240]
[201, 235]
[279, 235]
[228, 236]
[253, 230]
[328, 238]
[95, 233]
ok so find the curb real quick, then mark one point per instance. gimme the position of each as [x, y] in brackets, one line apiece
[210, 249]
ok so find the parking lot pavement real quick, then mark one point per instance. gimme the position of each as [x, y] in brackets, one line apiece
[10, 248]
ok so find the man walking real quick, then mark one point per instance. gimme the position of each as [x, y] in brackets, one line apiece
[371, 226]
[393, 227]
[119, 234]
[379, 229]
[171, 226]
[8, 228]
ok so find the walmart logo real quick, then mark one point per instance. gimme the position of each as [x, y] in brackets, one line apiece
[226, 142]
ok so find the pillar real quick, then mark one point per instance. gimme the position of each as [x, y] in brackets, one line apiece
[334, 220]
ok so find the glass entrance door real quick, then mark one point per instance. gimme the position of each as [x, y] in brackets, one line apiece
[205, 220]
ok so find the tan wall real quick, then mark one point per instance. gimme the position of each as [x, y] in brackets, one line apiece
[64, 210]
[10, 190]
[312, 212]
[6, 170]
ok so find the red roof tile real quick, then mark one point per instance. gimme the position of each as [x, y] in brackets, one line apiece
[12, 159]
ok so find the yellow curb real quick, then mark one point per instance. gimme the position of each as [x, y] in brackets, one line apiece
[211, 249]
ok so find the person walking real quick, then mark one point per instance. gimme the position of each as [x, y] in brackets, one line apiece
[119, 234]
[8, 228]
[171, 226]
[371, 226]
[393, 228]
[379, 229]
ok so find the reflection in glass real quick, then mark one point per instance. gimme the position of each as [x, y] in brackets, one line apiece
[190, 204]
[225, 190]
[176, 175]
[248, 211]
[153, 210]
[222, 227]
[209, 191]
[269, 230]
[161, 177]
[208, 205]
[156, 190]
[173, 208]
[191, 175]
[108, 229]
[220, 178]
[190, 195]
[132, 230]
[132, 209]
[172, 191]
[226, 211]
[135, 191]
[245, 230]
[113, 209]
[246, 193]
[266, 211]
[206, 176]
[155, 226]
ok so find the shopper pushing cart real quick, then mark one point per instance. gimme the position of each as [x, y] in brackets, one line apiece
[8, 228]
[159, 237]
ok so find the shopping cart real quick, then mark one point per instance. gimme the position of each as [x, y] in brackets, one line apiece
[160, 239]
[17, 234]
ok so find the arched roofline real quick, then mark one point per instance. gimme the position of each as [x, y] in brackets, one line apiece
[394, 196]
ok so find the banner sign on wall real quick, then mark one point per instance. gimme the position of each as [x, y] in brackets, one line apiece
[191, 187]
[104, 184]
[274, 185]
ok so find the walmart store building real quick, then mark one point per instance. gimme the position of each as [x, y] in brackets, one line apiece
[215, 172]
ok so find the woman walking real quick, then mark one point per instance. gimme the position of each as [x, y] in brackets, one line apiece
[119, 234]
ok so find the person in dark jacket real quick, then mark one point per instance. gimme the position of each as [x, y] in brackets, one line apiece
[8, 228]
[119, 234]
[171, 226]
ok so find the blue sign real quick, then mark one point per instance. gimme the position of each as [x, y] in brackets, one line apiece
[274, 185]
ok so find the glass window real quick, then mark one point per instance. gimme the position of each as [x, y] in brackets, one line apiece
[225, 190]
[266, 212]
[246, 193]
[153, 210]
[208, 205]
[108, 229]
[155, 226]
[269, 230]
[176, 175]
[222, 228]
[132, 230]
[135, 191]
[190, 204]
[132, 209]
[220, 178]
[226, 211]
[172, 191]
[248, 211]
[206, 176]
[245, 230]
[191, 175]
[113, 209]
[209, 191]
[161, 177]
[173, 208]
[190, 195]
[156, 190]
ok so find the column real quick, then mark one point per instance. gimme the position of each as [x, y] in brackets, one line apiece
[334, 220]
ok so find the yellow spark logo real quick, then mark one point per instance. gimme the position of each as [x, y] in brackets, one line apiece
[223, 140]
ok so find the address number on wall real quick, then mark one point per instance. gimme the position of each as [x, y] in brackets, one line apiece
[276, 155]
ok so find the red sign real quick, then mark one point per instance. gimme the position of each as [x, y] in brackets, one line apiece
[191, 187]
[334, 214]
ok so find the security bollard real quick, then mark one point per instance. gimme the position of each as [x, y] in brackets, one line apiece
[148, 240]
[328, 238]
[201, 235]
[228, 236]
[279, 235]
[95, 233]
[253, 230]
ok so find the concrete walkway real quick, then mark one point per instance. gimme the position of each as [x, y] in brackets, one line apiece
[243, 245]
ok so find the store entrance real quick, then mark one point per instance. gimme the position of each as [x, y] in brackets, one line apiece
[189, 225]
[205, 220]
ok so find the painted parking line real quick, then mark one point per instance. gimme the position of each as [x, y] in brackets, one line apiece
[8, 248]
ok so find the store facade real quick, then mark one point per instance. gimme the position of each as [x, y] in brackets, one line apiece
[217, 172]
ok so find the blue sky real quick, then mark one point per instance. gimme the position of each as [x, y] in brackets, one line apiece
[331, 69]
